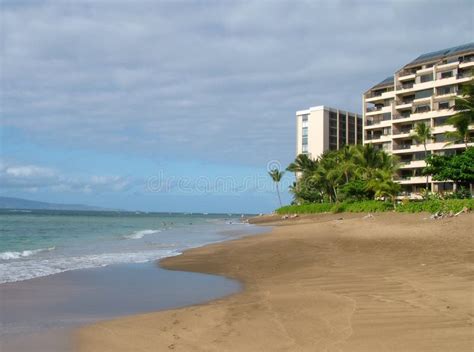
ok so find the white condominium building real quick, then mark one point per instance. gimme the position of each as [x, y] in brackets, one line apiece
[322, 128]
[422, 91]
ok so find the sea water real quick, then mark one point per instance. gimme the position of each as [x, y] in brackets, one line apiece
[41, 243]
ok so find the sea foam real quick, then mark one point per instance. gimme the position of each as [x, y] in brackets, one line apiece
[32, 268]
[22, 254]
[140, 234]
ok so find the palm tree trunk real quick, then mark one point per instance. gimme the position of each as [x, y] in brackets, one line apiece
[426, 156]
[278, 193]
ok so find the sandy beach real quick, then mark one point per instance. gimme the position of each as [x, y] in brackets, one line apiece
[339, 282]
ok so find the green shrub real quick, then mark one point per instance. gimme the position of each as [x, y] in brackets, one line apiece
[373, 206]
[436, 205]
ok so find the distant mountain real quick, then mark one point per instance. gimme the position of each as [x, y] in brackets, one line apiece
[18, 203]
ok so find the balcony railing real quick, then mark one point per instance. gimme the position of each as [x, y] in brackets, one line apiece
[407, 73]
[377, 136]
[467, 59]
[421, 109]
[379, 93]
[397, 117]
[464, 75]
[406, 101]
[403, 131]
[374, 108]
[375, 122]
[405, 86]
[402, 146]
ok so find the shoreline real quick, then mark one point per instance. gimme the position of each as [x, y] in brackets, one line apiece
[336, 282]
[41, 314]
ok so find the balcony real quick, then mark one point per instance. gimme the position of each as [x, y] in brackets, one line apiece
[374, 108]
[405, 86]
[421, 109]
[399, 117]
[378, 138]
[379, 96]
[413, 179]
[403, 133]
[412, 164]
[403, 105]
[375, 122]
[406, 76]
[402, 146]
[407, 72]
[463, 75]
[467, 63]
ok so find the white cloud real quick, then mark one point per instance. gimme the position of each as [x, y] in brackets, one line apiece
[33, 178]
[189, 79]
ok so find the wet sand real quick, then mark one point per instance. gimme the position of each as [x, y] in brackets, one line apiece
[395, 282]
[39, 314]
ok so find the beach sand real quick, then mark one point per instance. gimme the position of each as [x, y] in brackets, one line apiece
[342, 282]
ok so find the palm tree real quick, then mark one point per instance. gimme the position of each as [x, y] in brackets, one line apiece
[328, 175]
[376, 168]
[347, 163]
[422, 135]
[276, 176]
[303, 163]
[383, 185]
[464, 105]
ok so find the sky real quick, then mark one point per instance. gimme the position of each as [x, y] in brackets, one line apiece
[185, 105]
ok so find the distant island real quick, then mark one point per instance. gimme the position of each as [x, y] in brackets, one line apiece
[19, 203]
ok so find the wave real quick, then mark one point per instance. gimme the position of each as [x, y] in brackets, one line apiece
[140, 234]
[28, 269]
[22, 254]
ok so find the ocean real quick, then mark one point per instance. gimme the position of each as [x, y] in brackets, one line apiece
[40, 243]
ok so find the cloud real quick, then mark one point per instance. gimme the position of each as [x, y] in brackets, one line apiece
[20, 177]
[206, 80]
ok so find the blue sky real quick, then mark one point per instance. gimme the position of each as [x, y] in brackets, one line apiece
[182, 105]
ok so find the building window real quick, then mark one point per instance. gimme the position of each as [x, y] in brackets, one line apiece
[304, 142]
[443, 105]
[440, 138]
[440, 121]
[304, 118]
[446, 74]
[426, 78]
[446, 90]
[424, 93]
[422, 108]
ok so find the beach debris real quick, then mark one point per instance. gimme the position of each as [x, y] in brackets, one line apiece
[450, 214]
[368, 216]
[286, 216]
[463, 210]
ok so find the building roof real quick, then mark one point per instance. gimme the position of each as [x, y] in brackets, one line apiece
[387, 82]
[440, 54]
[324, 107]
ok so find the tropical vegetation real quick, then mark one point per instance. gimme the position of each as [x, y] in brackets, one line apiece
[351, 173]
[372, 206]
[458, 168]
